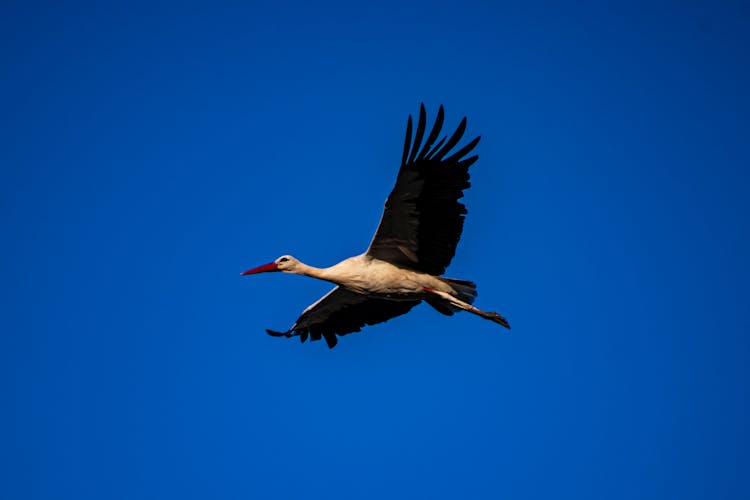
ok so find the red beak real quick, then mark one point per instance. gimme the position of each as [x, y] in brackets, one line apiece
[265, 268]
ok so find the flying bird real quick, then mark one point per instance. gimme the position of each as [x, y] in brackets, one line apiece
[414, 243]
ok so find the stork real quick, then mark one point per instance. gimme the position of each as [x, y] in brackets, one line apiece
[413, 244]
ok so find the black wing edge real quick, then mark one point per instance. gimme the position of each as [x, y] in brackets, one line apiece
[303, 333]
[415, 151]
[371, 312]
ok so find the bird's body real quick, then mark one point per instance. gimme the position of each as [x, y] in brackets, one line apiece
[374, 277]
[414, 243]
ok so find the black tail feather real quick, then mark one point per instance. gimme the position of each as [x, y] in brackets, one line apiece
[467, 290]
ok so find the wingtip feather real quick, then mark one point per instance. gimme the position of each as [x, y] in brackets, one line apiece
[331, 340]
[407, 141]
[421, 124]
[274, 333]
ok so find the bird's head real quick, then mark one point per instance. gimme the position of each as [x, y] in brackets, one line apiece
[285, 263]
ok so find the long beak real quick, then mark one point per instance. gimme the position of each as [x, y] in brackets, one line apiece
[265, 268]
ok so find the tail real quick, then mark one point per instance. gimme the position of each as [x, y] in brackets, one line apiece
[467, 290]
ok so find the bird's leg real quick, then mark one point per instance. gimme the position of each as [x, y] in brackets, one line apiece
[492, 316]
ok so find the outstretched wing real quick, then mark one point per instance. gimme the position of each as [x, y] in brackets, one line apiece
[423, 219]
[340, 312]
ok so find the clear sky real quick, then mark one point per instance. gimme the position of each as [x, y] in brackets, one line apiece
[152, 151]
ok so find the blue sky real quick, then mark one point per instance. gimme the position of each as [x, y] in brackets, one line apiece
[153, 151]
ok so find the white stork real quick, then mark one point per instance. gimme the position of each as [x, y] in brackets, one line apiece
[414, 243]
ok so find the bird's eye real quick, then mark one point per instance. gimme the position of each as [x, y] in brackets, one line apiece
[283, 259]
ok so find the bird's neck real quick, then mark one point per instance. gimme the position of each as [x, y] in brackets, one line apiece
[315, 272]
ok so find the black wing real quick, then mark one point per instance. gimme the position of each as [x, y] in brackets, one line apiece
[423, 219]
[342, 311]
